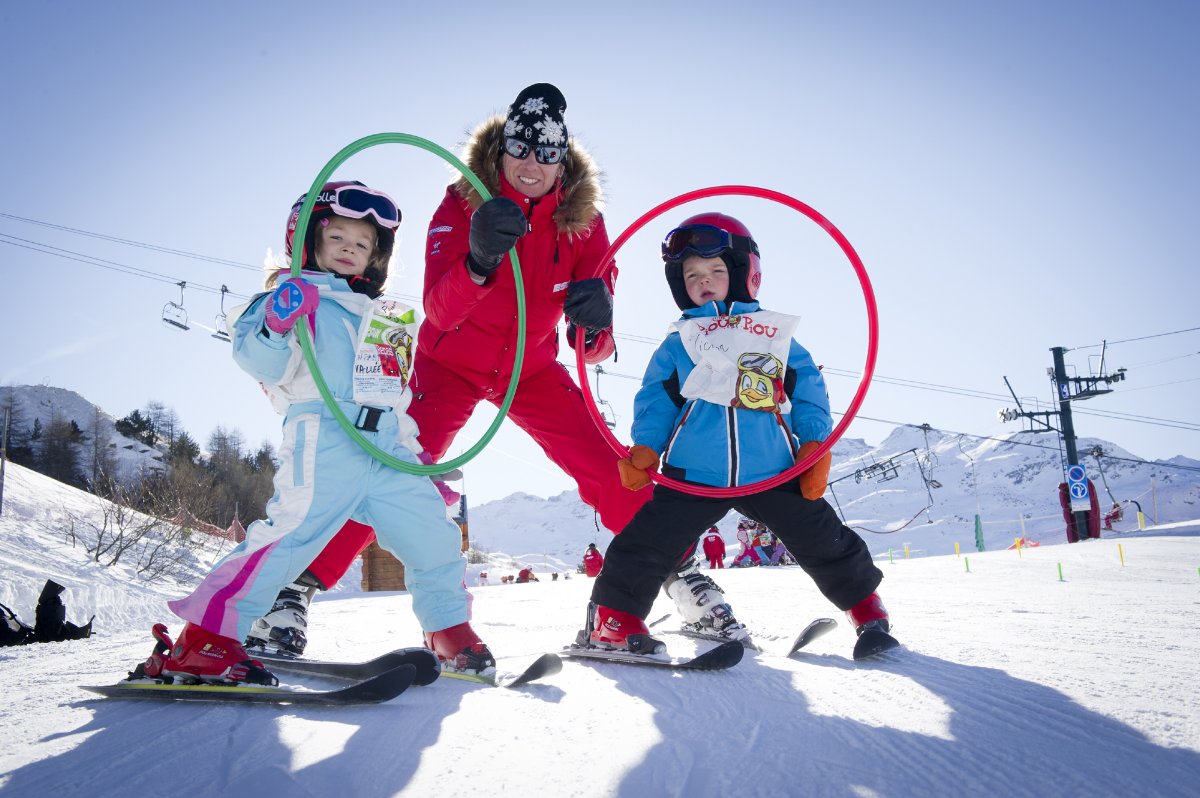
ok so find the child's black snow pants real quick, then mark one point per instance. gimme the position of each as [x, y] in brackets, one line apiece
[641, 556]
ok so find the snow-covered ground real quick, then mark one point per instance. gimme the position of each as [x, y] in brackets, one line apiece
[1011, 682]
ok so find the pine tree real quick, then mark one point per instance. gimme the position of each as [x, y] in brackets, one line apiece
[183, 449]
[58, 453]
[20, 448]
[139, 427]
[102, 460]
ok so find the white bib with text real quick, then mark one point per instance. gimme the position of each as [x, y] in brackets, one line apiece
[383, 362]
[740, 360]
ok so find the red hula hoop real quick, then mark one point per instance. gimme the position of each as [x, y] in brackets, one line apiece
[868, 368]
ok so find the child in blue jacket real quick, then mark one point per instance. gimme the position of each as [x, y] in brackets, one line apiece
[364, 345]
[729, 398]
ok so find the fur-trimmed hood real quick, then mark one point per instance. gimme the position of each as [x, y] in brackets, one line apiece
[580, 195]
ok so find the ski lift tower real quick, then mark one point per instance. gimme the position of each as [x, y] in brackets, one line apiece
[1068, 390]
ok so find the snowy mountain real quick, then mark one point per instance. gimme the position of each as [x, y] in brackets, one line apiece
[886, 493]
[1058, 670]
[914, 494]
[44, 403]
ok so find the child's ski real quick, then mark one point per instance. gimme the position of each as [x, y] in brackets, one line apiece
[723, 656]
[818, 628]
[747, 642]
[545, 665]
[381, 687]
[424, 660]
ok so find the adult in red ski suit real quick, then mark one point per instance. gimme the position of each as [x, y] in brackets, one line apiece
[465, 345]
[714, 548]
[593, 560]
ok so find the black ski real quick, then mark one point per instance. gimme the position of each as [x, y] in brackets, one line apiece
[873, 642]
[422, 659]
[818, 628]
[381, 687]
[545, 665]
[723, 656]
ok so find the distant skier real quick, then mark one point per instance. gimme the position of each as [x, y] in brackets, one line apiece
[526, 575]
[780, 556]
[714, 548]
[50, 621]
[747, 557]
[50, 617]
[593, 560]
[729, 398]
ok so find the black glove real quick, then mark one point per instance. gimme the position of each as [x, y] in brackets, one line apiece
[589, 336]
[495, 227]
[589, 304]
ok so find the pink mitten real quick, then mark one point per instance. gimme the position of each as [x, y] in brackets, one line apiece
[293, 299]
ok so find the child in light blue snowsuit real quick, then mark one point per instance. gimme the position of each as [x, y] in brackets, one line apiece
[364, 346]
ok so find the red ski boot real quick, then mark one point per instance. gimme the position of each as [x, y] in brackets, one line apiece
[616, 630]
[869, 614]
[871, 624]
[199, 655]
[460, 650]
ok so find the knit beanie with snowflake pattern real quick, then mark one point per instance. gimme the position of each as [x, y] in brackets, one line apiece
[537, 116]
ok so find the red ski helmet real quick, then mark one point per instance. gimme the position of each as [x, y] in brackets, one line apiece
[711, 235]
[353, 200]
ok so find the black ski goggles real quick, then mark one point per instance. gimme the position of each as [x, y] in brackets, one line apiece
[542, 152]
[704, 240]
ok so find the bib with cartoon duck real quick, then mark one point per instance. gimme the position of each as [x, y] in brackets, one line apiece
[740, 360]
[383, 361]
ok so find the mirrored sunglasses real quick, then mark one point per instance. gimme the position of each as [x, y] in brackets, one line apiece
[542, 152]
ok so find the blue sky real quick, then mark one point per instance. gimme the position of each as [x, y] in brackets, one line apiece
[1015, 177]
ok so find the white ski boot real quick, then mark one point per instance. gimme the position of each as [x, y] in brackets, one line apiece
[284, 629]
[701, 603]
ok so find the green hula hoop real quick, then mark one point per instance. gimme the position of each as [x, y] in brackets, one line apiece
[306, 341]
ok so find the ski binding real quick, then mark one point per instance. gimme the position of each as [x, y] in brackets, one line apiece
[543, 666]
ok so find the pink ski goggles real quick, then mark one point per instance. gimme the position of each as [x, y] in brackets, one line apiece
[357, 202]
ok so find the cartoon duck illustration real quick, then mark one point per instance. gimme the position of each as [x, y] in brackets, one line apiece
[760, 382]
[399, 357]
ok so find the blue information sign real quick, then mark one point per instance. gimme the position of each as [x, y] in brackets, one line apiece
[1078, 488]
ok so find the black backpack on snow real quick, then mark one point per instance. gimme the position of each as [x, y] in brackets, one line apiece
[12, 631]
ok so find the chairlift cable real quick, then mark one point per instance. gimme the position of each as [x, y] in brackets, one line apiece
[132, 243]
[1097, 453]
[1141, 338]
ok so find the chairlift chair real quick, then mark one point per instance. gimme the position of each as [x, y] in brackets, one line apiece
[174, 314]
[221, 332]
[606, 409]
[607, 413]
